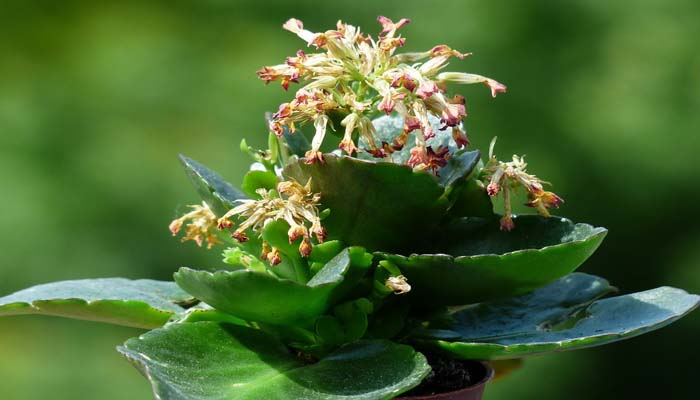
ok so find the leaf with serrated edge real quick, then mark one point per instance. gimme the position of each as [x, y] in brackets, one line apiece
[483, 263]
[138, 303]
[564, 315]
[211, 361]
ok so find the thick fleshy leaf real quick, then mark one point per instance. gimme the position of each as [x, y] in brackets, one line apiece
[210, 361]
[204, 312]
[258, 296]
[564, 315]
[381, 206]
[213, 189]
[469, 199]
[254, 180]
[293, 265]
[458, 168]
[477, 262]
[297, 143]
[139, 303]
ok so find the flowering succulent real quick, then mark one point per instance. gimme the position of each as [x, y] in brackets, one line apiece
[357, 262]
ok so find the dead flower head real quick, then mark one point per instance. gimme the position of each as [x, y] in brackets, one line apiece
[358, 75]
[398, 284]
[293, 203]
[505, 177]
[202, 225]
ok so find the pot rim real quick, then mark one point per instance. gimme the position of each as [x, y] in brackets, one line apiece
[475, 387]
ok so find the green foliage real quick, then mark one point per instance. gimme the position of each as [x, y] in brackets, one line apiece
[477, 262]
[255, 180]
[458, 168]
[470, 200]
[140, 303]
[217, 193]
[261, 297]
[206, 360]
[381, 206]
[564, 315]
[436, 243]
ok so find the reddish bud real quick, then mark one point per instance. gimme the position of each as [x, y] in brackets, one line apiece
[175, 226]
[459, 137]
[224, 224]
[492, 189]
[273, 257]
[240, 236]
[507, 223]
[305, 247]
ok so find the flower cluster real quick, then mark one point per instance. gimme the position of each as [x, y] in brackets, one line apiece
[291, 202]
[356, 76]
[298, 208]
[505, 177]
[201, 227]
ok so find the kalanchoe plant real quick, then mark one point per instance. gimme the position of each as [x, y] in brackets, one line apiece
[343, 268]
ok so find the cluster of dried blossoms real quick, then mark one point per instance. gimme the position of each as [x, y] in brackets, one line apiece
[358, 76]
[202, 226]
[505, 177]
[291, 202]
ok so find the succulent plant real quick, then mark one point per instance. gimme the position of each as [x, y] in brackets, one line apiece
[342, 266]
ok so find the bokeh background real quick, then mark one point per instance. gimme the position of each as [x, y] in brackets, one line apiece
[98, 98]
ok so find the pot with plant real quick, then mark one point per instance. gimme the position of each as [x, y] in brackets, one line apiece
[365, 260]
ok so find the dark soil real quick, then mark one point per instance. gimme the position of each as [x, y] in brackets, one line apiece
[448, 375]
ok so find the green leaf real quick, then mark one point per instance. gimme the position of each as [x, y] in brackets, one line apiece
[470, 200]
[255, 180]
[210, 361]
[293, 266]
[378, 205]
[330, 330]
[205, 312]
[261, 297]
[477, 262]
[139, 303]
[389, 319]
[458, 168]
[561, 316]
[297, 143]
[217, 193]
[240, 259]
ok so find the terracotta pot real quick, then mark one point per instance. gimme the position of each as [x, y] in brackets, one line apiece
[474, 392]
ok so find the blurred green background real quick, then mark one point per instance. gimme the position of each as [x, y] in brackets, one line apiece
[98, 98]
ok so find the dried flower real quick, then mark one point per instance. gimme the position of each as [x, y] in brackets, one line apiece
[358, 76]
[202, 226]
[398, 284]
[292, 203]
[504, 177]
